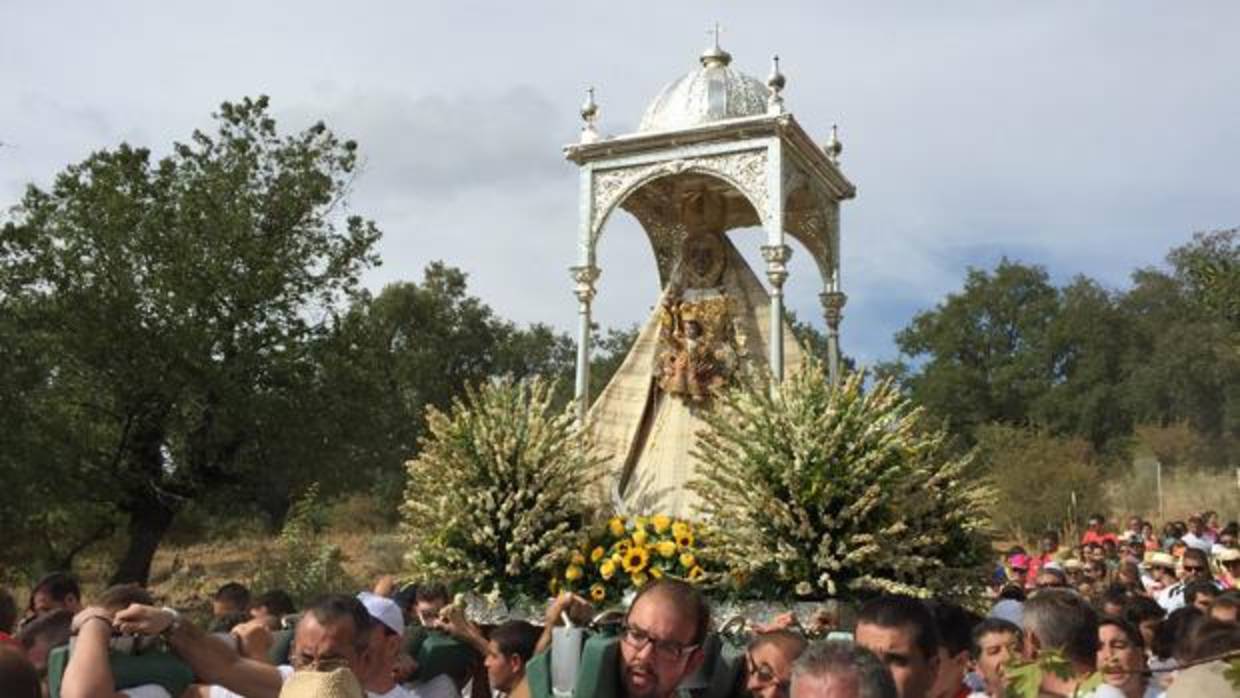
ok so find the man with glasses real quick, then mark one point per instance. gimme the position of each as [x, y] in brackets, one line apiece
[661, 641]
[768, 663]
[334, 633]
[1194, 566]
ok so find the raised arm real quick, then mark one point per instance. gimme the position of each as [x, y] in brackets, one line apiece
[88, 674]
[212, 659]
[574, 604]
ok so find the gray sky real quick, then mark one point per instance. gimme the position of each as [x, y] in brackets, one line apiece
[1088, 137]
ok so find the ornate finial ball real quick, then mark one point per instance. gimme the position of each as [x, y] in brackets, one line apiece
[589, 110]
[834, 147]
[776, 80]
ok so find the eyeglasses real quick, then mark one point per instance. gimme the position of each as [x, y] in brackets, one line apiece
[669, 650]
[762, 673]
[324, 664]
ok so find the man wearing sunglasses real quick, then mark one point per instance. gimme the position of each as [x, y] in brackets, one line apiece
[661, 642]
[1194, 566]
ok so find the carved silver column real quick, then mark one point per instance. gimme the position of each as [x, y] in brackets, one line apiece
[584, 276]
[833, 311]
[777, 257]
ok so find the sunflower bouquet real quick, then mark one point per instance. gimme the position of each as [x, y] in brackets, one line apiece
[625, 553]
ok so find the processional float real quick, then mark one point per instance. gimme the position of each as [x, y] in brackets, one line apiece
[715, 151]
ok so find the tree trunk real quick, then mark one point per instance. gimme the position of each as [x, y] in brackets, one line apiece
[149, 520]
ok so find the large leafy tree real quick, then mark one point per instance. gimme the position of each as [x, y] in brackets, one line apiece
[984, 351]
[175, 300]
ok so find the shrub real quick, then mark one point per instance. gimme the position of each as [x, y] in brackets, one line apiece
[1044, 482]
[498, 493]
[816, 491]
[298, 563]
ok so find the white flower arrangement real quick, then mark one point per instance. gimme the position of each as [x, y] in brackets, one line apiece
[817, 490]
[498, 490]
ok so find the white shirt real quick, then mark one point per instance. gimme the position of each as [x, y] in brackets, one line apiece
[441, 686]
[1198, 542]
[148, 690]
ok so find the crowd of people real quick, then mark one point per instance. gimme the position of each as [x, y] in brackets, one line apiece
[1151, 615]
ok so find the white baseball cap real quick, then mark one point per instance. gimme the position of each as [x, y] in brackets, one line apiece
[384, 610]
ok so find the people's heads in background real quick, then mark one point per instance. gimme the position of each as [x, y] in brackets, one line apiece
[901, 631]
[1110, 549]
[119, 597]
[1195, 525]
[1018, 568]
[1058, 619]
[508, 650]
[1121, 655]
[45, 632]
[1050, 576]
[841, 670]
[1162, 567]
[428, 601]
[768, 663]
[995, 643]
[1200, 593]
[1144, 614]
[1096, 522]
[1226, 607]
[1171, 639]
[56, 591]
[1212, 638]
[1112, 600]
[1195, 565]
[1048, 543]
[1128, 575]
[272, 606]
[955, 628]
[1096, 572]
[232, 599]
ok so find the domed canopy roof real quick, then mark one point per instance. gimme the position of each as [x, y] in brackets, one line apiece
[711, 93]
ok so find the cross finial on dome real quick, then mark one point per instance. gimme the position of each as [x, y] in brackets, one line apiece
[715, 55]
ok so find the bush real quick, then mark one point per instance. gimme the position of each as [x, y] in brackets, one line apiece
[1044, 482]
[813, 491]
[298, 563]
[498, 494]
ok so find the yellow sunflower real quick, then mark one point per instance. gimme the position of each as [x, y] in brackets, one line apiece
[573, 573]
[597, 554]
[635, 560]
[616, 526]
[598, 592]
[622, 547]
[661, 522]
[666, 548]
[639, 579]
[685, 539]
[679, 527]
[639, 537]
[687, 560]
[607, 569]
[696, 573]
